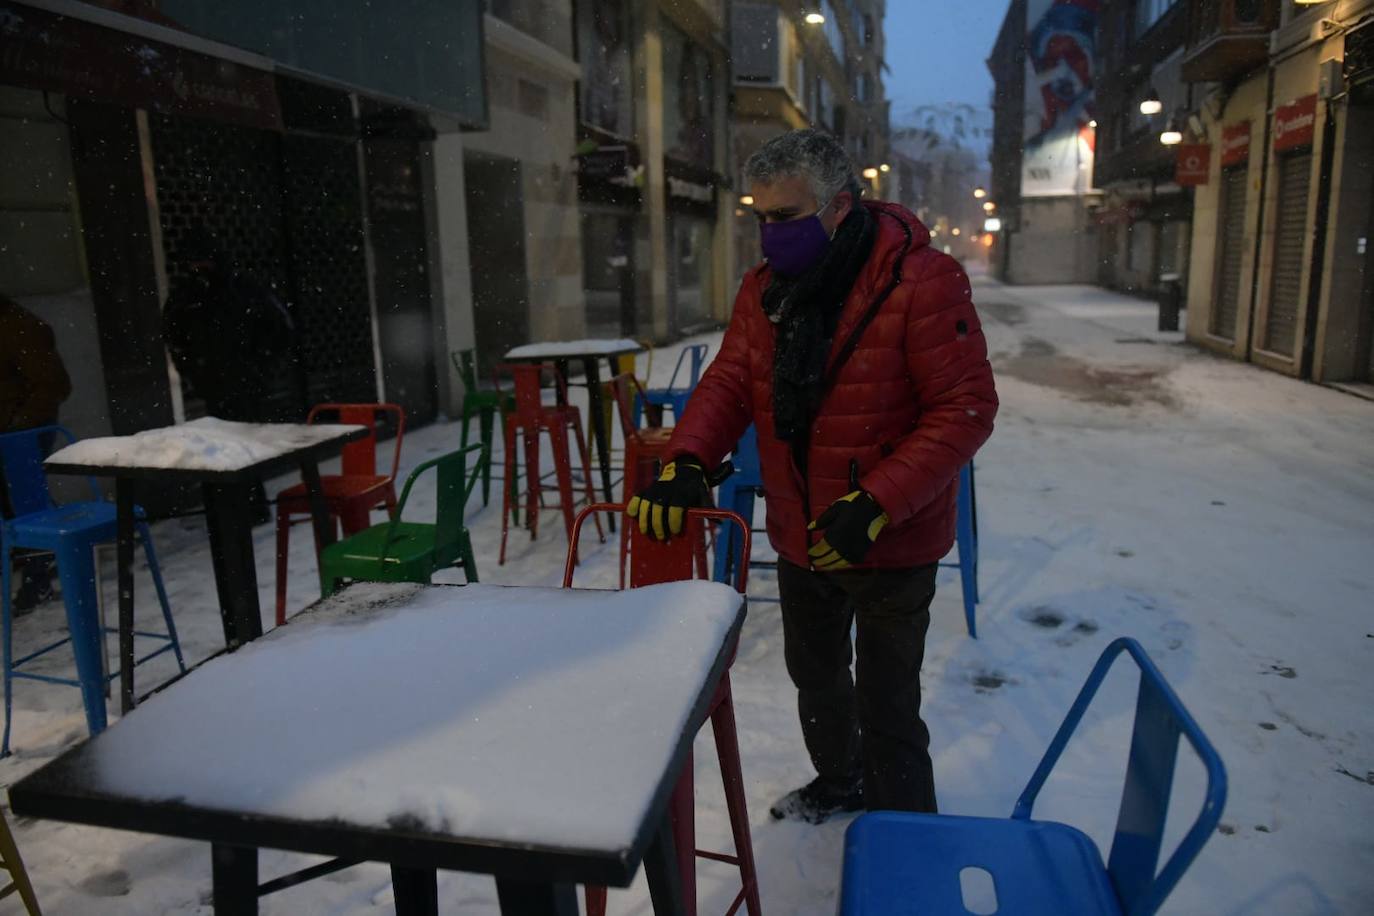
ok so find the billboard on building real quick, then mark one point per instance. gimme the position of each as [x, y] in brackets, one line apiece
[1057, 155]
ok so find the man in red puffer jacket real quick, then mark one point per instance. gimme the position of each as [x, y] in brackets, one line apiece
[856, 352]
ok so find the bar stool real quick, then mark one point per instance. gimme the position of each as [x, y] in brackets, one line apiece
[530, 417]
[652, 562]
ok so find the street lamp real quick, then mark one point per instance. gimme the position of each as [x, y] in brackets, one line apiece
[814, 19]
[746, 200]
[989, 206]
[1093, 123]
[1151, 104]
[884, 167]
[992, 224]
[979, 193]
[1171, 136]
[870, 173]
[954, 231]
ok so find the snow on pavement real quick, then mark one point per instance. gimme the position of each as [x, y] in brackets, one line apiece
[1221, 514]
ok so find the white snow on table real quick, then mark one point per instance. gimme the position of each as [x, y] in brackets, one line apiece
[207, 444]
[536, 715]
[568, 348]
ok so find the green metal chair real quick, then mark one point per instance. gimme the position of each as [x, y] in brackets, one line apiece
[401, 551]
[483, 404]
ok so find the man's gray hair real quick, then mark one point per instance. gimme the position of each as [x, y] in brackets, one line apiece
[813, 154]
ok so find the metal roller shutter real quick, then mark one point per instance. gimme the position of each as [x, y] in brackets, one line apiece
[1290, 234]
[1233, 188]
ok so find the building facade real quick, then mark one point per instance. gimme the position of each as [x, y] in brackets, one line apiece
[790, 71]
[1282, 272]
[1044, 69]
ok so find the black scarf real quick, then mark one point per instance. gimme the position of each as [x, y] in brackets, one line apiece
[806, 310]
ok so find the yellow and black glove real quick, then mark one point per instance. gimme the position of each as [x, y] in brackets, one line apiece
[662, 507]
[851, 525]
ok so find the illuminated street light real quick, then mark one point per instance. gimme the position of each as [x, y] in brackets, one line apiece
[884, 167]
[814, 19]
[954, 231]
[992, 224]
[746, 200]
[1151, 104]
[979, 193]
[1172, 136]
[1093, 123]
[989, 206]
[870, 173]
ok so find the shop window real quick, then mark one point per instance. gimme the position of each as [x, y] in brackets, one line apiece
[606, 91]
[688, 100]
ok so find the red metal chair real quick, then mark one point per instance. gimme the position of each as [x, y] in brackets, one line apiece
[652, 562]
[532, 416]
[352, 495]
[645, 449]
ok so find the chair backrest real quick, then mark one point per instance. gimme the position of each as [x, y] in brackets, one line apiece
[454, 486]
[465, 361]
[21, 461]
[697, 353]
[529, 391]
[1160, 718]
[360, 457]
[652, 562]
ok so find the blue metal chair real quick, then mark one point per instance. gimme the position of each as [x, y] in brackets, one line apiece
[71, 532]
[966, 539]
[673, 396]
[898, 862]
[736, 495]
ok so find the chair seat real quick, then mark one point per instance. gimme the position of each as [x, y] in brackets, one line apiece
[413, 548]
[46, 530]
[897, 863]
[337, 488]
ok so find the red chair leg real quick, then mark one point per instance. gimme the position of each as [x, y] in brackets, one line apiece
[727, 749]
[682, 813]
[533, 485]
[596, 900]
[283, 546]
[562, 466]
[508, 497]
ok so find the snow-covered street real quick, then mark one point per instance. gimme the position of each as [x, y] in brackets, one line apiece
[1221, 514]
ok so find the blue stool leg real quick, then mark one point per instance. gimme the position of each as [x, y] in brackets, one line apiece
[963, 534]
[156, 572]
[680, 400]
[973, 515]
[76, 570]
[9, 650]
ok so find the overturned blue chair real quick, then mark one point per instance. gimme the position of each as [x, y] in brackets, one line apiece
[897, 862]
[674, 396]
[70, 532]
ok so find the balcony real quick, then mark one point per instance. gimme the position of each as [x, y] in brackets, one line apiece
[1228, 38]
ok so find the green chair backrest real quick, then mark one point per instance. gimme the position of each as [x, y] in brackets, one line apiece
[451, 498]
[466, 363]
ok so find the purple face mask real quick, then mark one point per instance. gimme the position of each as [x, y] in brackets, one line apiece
[793, 246]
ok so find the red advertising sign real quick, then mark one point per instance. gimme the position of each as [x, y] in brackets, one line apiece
[1192, 163]
[1235, 144]
[1295, 124]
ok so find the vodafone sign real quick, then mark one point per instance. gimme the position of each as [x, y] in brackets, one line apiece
[1295, 124]
[1235, 144]
[1191, 164]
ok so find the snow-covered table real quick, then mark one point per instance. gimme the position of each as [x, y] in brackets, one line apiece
[226, 459]
[590, 352]
[534, 734]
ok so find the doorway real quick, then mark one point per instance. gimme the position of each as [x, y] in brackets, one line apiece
[496, 251]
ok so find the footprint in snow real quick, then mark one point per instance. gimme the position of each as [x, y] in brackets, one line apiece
[988, 681]
[1281, 670]
[113, 883]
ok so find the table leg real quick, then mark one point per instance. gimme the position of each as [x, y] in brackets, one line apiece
[416, 891]
[526, 898]
[229, 519]
[600, 434]
[235, 880]
[661, 869]
[319, 511]
[124, 574]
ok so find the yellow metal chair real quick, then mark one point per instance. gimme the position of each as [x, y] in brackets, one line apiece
[19, 877]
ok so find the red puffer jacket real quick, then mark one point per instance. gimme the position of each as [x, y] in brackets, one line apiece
[908, 407]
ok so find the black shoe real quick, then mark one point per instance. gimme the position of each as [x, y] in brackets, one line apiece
[816, 801]
[32, 593]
